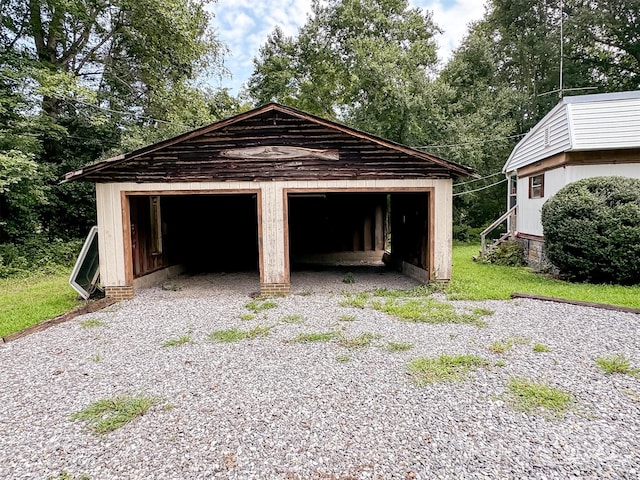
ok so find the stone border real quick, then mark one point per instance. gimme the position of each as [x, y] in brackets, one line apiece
[88, 307]
[602, 306]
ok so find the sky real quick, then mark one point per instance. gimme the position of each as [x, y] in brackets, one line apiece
[244, 25]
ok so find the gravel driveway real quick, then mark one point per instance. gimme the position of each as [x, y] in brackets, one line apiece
[269, 408]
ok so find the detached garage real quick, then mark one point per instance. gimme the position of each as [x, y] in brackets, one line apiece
[266, 190]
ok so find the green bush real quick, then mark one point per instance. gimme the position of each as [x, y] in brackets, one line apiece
[509, 253]
[37, 255]
[592, 230]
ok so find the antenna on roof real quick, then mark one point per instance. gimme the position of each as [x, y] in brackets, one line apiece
[560, 91]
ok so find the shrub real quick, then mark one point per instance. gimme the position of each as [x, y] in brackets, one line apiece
[592, 230]
[509, 253]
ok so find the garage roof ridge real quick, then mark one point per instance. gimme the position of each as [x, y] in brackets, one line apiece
[96, 167]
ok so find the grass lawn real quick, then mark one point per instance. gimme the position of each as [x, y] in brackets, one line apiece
[27, 301]
[478, 281]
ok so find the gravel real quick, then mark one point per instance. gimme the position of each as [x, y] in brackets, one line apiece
[271, 408]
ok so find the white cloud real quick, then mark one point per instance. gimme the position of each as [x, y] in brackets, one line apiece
[244, 26]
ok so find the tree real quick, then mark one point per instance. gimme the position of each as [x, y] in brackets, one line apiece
[85, 77]
[365, 62]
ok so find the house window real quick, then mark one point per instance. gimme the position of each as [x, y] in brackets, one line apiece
[156, 225]
[536, 186]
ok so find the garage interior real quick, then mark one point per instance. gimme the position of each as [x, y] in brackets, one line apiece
[203, 233]
[358, 229]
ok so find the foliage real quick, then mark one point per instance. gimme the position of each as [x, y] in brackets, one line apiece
[478, 281]
[37, 255]
[236, 335]
[509, 253]
[315, 337]
[361, 341]
[427, 310]
[617, 364]
[365, 62]
[592, 230]
[541, 348]
[107, 415]
[257, 306]
[535, 397]
[424, 371]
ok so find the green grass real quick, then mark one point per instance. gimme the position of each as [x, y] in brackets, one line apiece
[427, 310]
[295, 319]
[257, 306]
[531, 397]
[616, 364]
[231, 335]
[398, 346]
[503, 346]
[444, 368]
[247, 316]
[315, 337]
[479, 281]
[175, 342]
[361, 341]
[91, 323]
[28, 301]
[541, 348]
[343, 358]
[347, 318]
[107, 415]
[358, 300]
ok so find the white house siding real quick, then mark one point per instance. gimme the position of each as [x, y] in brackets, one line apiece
[111, 240]
[533, 147]
[611, 124]
[529, 209]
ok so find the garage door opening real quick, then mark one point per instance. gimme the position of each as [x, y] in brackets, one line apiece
[330, 229]
[201, 233]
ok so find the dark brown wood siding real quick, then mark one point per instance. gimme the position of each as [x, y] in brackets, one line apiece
[199, 158]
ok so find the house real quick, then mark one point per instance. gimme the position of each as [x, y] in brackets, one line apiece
[266, 189]
[583, 136]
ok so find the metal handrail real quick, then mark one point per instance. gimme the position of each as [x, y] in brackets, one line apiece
[493, 226]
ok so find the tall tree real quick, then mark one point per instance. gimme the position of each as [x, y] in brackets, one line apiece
[365, 62]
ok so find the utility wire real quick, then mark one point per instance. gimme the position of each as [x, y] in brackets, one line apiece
[481, 188]
[477, 179]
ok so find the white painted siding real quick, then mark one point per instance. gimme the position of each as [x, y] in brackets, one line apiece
[111, 247]
[607, 121]
[555, 128]
[529, 209]
[605, 125]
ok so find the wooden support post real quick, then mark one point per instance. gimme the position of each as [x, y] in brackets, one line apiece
[379, 228]
[368, 234]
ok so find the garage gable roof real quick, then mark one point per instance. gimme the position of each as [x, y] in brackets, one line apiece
[269, 143]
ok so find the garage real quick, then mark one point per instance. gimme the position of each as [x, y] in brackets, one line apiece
[269, 190]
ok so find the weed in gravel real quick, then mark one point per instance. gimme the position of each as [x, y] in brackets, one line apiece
[107, 415]
[174, 342]
[348, 278]
[361, 341]
[358, 300]
[500, 363]
[304, 293]
[533, 397]
[96, 358]
[540, 348]
[257, 306]
[171, 286]
[444, 368]
[315, 337]
[295, 319]
[231, 335]
[343, 358]
[91, 323]
[501, 346]
[398, 346]
[247, 316]
[419, 291]
[347, 318]
[428, 310]
[67, 476]
[616, 364]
